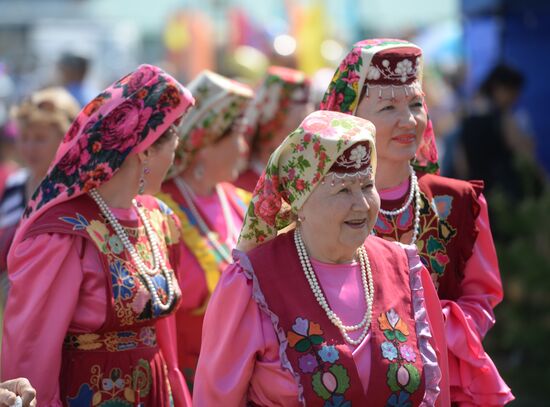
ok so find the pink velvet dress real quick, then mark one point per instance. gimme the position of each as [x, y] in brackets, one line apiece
[468, 317]
[63, 290]
[240, 360]
[195, 289]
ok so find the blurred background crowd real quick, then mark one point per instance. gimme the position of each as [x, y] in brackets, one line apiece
[485, 81]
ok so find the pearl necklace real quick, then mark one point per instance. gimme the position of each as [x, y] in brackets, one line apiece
[414, 192]
[158, 261]
[368, 288]
[205, 230]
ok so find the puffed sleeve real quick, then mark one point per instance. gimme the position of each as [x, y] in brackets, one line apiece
[473, 376]
[481, 287]
[230, 341]
[45, 274]
[239, 359]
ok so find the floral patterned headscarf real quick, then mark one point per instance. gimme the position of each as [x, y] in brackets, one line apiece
[394, 65]
[219, 102]
[126, 118]
[280, 87]
[299, 164]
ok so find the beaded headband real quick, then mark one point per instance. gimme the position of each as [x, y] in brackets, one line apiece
[354, 162]
[395, 69]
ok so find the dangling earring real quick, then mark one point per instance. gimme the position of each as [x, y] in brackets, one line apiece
[198, 172]
[142, 182]
[301, 219]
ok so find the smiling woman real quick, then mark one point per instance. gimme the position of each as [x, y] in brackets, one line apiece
[380, 80]
[323, 303]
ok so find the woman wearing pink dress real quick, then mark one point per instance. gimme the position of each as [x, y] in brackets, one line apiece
[380, 80]
[199, 191]
[315, 311]
[89, 319]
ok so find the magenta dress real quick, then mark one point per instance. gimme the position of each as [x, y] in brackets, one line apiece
[469, 316]
[68, 295]
[240, 359]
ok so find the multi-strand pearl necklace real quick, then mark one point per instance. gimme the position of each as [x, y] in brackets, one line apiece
[414, 192]
[368, 287]
[205, 230]
[158, 261]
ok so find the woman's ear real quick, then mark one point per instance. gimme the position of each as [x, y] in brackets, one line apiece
[143, 157]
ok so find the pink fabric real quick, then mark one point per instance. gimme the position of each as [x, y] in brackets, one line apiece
[467, 321]
[211, 207]
[437, 329]
[239, 358]
[194, 290]
[391, 194]
[168, 342]
[68, 294]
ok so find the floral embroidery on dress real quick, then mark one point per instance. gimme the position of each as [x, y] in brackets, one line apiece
[115, 341]
[435, 231]
[329, 380]
[403, 377]
[132, 300]
[121, 280]
[117, 388]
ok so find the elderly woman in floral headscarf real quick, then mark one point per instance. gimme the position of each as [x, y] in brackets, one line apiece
[91, 267]
[211, 211]
[318, 312]
[280, 104]
[380, 80]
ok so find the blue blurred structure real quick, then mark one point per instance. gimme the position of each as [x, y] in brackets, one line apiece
[516, 33]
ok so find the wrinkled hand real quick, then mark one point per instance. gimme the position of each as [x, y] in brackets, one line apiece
[10, 389]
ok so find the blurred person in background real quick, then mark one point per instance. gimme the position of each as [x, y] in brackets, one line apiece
[280, 104]
[212, 150]
[8, 163]
[41, 121]
[381, 80]
[72, 70]
[93, 265]
[494, 143]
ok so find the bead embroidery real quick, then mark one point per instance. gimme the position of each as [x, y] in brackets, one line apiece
[117, 388]
[132, 300]
[329, 380]
[403, 377]
[435, 231]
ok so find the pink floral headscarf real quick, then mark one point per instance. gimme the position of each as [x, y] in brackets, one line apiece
[126, 118]
[363, 66]
[296, 167]
[280, 87]
[219, 103]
